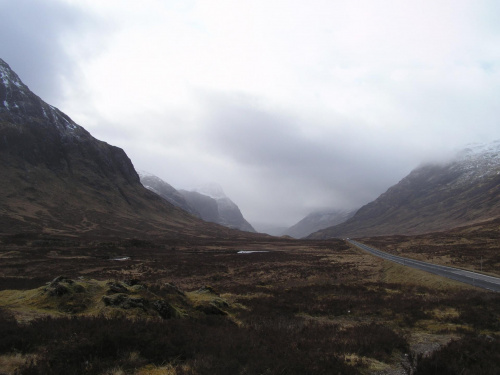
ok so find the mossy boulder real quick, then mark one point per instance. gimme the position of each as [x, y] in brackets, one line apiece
[208, 300]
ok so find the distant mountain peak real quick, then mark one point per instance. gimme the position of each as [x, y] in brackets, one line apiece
[432, 197]
[17, 100]
[211, 189]
[478, 161]
[166, 191]
[318, 220]
[491, 149]
[8, 76]
[58, 178]
[224, 212]
[143, 173]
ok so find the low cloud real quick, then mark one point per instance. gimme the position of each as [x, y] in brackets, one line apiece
[291, 107]
[43, 41]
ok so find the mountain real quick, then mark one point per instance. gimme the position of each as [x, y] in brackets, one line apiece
[214, 206]
[211, 190]
[166, 191]
[206, 206]
[58, 179]
[317, 221]
[207, 202]
[432, 197]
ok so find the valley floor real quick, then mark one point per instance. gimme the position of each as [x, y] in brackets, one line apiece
[280, 307]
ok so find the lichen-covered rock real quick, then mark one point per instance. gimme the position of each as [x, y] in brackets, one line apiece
[165, 310]
[114, 300]
[209, 301]
[125, 302]
[57, 290]
[62, 285]
[131, 282]
[116, 287]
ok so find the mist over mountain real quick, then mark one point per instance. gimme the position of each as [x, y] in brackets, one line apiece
[205, 206]
[432, 197]
[57, 178]
[213, 205]
[318, 220]
[272, 229]
[166, 191]
[212, 189]
[208, 202]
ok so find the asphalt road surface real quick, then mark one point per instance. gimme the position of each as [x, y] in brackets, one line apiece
[468, 277]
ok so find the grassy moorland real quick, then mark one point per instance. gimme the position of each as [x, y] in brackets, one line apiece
[200, 307]
[474, 247]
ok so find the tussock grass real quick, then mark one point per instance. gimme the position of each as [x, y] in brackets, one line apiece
[315, 308]
[87, 298]
[10, 363]
[158, 370]
[396, 273]
[474, 247]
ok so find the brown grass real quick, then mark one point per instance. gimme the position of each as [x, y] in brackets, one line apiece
[475, 247]
[320, 306]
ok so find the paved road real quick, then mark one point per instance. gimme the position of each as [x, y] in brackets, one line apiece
[468, 277]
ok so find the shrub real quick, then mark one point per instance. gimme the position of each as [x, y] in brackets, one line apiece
[467, 356]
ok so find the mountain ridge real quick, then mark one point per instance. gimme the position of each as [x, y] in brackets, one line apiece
[225, 212]
[58, 179]
[318, 220]
[207, 202]
[166, 191]
[432, 197]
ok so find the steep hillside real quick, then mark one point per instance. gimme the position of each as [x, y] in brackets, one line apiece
[317, 221]
[431, 198]
[225, 211]
[57, 178]
[166, 191]
[203, 204]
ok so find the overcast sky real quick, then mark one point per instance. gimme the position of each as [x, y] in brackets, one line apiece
[290, 105]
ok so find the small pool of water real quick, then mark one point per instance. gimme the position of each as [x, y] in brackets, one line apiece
[252, 251]
[120, 259]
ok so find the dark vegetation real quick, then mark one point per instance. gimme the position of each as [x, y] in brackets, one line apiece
[150, 289]
[475, 247]
[469, 355]
[300, 308]
[92, 345]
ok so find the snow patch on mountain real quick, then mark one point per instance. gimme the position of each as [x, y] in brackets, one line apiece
[17, 100]
[150, 181]
[212, 189]
[8, 77]
[229, 213]
[478, 161]
[143, 173]
[491, 149]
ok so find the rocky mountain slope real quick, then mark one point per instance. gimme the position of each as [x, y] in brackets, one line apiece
[432, 197]
[207, 202]
[214, 206]
[205, 206]
[166, 191]
[58, 179]
[317, 221]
